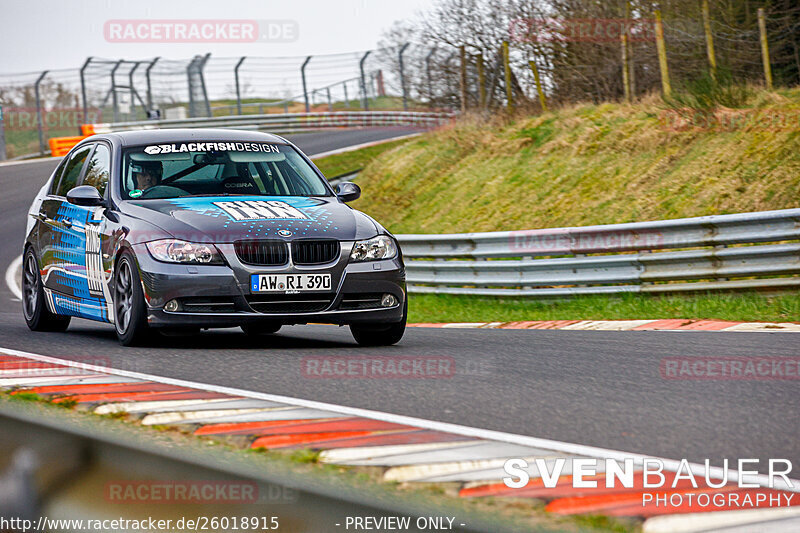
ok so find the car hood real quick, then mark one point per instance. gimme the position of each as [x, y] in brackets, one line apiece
[224, 219]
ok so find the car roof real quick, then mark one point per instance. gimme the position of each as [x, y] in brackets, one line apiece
[133, 138]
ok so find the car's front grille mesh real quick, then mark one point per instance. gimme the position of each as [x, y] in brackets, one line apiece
[295, 303]
[266, 253]
[208, 305]
[315, 252]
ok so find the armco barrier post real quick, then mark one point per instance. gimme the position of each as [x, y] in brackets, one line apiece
[236, 80]
[403, 77]
[365, 100]
[303, 78]
[39, 121]
[2, 137]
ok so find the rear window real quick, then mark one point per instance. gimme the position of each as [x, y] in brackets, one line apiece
[218, 169]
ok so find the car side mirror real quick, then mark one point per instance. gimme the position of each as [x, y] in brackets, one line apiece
[85, 195]
[348, 191]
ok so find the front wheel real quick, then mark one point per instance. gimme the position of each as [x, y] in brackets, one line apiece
[37, 315]
[380, 334]
[130, 315]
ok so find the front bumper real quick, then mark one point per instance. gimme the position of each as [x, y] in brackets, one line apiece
[219, 295]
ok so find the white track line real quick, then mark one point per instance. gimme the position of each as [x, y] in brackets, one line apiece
[11, 277]
[28, 161]
[522, 440]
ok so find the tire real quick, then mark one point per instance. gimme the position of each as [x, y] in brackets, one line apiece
[130, 313]
[255, 329]
[380, 334]
[34, 308]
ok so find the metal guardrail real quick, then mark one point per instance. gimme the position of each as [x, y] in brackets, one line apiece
[626, 257]
[285, 122]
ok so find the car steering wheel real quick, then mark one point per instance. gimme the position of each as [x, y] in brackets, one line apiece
[162, 191]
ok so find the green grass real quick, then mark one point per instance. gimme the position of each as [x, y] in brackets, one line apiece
[749, 306]
[337, 164]
[586, 164]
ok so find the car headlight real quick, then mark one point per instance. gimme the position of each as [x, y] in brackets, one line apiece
[380, 247]
[175, 251]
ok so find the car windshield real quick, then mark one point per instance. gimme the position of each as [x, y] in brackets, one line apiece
[217, 169]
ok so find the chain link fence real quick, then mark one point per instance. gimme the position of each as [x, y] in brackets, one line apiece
[477, 55]
[55, 103]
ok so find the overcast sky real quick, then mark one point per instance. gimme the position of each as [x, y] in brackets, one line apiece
[52, 34]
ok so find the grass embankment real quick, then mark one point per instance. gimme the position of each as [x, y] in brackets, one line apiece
[593, 164]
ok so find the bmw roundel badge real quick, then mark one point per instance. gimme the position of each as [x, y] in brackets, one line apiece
[284, 233]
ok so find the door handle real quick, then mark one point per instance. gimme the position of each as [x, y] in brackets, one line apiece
[67, 222]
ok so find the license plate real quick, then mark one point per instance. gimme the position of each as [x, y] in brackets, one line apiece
[290, 282]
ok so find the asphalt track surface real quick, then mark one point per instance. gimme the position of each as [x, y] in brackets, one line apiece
[595, 388]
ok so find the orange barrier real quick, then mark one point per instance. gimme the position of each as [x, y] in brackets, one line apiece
[59, 146]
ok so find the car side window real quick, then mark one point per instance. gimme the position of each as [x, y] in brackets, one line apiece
[57, 175]
[73, 170]
[98, 169]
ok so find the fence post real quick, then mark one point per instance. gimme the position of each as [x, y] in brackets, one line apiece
[238, 90]
[2, 137]
[662, 55]
[365, 101]
[330, 103]
[114, 100]
[346, 101]
[712, 59]
[403, 76]
[539, 90]
[462, 76]
[83, 90]
[507, 73]
[303, 77]
[626, 83]
[132, 91]
[762, 29]
[39, 121]
[481, 81]
[428, 72]
[149, 86]
[203, 62]
[629, 52]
